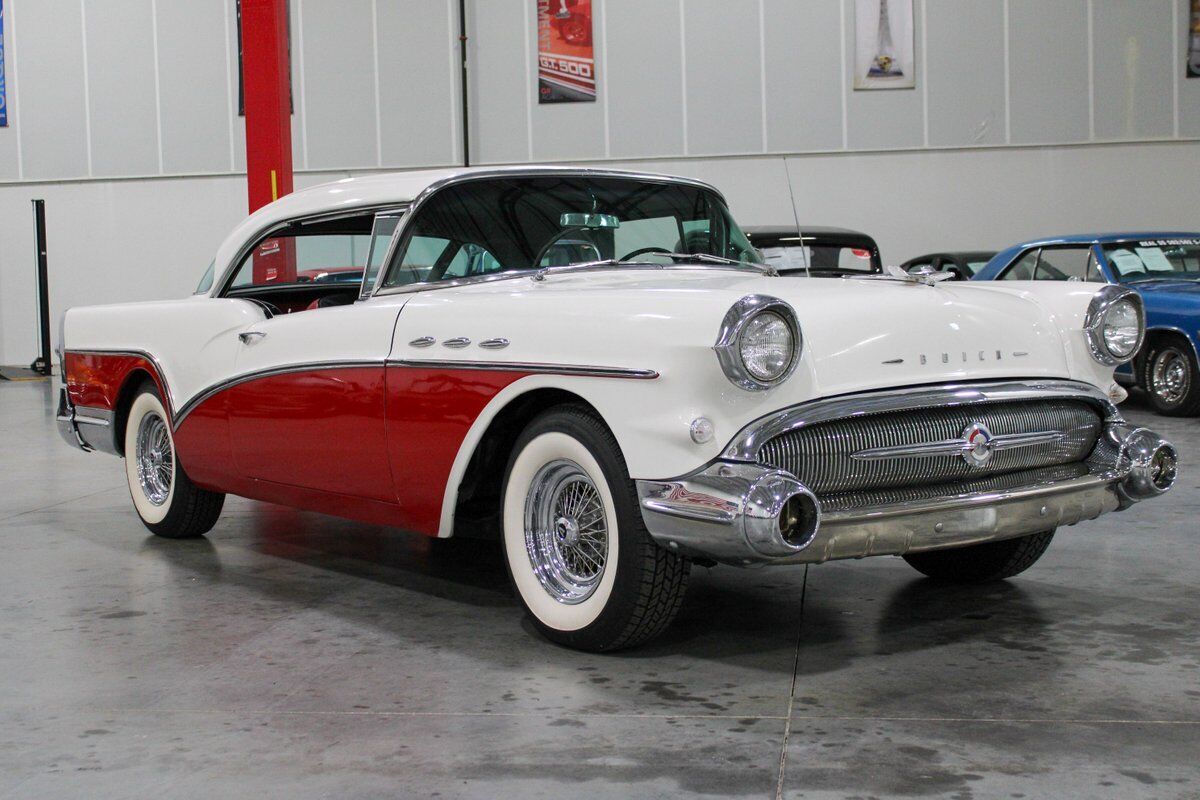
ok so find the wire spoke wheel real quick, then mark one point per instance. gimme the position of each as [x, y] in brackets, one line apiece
[1170, 377]
[566, 531]
[155, 459]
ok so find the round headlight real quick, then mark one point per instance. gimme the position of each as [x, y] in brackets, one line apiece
[1121, 329]
[1115, 324]
[766, 346]
[759, 343]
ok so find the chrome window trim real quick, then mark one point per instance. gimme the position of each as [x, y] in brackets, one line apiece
[527, 366]
[269, 372]
[746, 444]
[219, 288]
[365, 291]
[491, 174]
[1093, 323]
[728, 347]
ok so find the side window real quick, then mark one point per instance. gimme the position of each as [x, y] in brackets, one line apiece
[1064, 264]
[381, 237]
[302, 257]
[1022, 269]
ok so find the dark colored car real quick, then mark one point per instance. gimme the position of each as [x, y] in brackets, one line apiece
[816, 250]
[964, 264]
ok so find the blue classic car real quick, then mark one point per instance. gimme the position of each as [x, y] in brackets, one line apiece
[1164, 267]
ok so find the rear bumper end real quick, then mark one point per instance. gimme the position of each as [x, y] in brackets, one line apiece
[742, 513]
[85, 428]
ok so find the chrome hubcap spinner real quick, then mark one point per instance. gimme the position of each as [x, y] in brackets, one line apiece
[1170, 377]
[566, 531]
[155, 459]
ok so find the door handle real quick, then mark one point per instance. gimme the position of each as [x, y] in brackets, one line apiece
[249, 336]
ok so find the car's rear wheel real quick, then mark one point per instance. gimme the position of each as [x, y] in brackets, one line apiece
[166, 500]
[581, 561]
[1171, 378]
[982, 563]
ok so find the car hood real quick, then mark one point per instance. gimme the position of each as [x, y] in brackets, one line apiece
[859, 334]
[1185, 288]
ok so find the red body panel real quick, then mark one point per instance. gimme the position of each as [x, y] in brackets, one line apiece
[322, 429]
[369, 443]
[94, 380]
[429, 412]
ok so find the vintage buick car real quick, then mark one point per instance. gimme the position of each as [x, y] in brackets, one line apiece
[1164, 268]
[593, 366]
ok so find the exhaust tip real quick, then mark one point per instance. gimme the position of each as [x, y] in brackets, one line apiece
[780, 515]
[1153, 466]
[799, 519]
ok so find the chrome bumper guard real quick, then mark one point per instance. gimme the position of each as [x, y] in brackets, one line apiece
[86, 428]
[743, 513]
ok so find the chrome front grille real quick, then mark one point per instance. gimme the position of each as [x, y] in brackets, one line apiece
[821, 455]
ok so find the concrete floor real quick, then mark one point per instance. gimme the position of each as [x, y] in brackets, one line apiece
[294, 655]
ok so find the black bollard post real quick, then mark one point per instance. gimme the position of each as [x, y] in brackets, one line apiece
[42, 364]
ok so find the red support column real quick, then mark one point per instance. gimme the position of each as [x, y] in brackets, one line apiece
[267, 86]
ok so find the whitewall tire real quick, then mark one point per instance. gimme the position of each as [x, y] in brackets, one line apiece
[581, 561]
[166, 500]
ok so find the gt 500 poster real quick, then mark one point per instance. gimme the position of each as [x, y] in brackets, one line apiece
[566, 63]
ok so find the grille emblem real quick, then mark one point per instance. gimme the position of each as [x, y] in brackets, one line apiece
[978, 440]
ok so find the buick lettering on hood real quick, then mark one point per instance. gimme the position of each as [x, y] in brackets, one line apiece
[596, 368]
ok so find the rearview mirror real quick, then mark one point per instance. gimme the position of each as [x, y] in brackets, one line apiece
[570, 220]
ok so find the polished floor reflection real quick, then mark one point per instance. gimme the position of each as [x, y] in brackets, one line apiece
[295, 655]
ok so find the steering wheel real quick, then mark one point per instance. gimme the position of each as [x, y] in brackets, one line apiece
[641, 251]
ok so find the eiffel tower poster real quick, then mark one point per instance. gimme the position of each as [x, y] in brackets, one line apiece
[883, 44]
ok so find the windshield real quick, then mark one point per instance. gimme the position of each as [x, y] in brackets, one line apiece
[1155, 259]
[499, 225]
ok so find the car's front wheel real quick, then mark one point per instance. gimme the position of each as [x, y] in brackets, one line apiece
[982, 563]
[167, 501]
[1171, 380]
[582, 563]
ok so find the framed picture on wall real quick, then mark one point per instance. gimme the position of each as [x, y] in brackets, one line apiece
[566, 60]
[883, 44]
[1193, 57]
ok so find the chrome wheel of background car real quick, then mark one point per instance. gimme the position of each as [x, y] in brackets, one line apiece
[566, 532]
[1170, 376]
[155, 459]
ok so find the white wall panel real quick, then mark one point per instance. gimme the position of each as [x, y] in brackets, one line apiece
[804, 75]
[1048, 58]
[121, 91]
[884, 118]
[502, 86]
[724, 68]
[339, 80]
[418, 82]
[53, 121]
[644, 78]
[965, 59]
[1133, 65]
[193, 92]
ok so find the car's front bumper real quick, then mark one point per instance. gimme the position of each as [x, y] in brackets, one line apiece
[86, 428]
[743, 513]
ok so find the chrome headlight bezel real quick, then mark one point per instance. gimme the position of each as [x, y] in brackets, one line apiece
[1102, 303]
[728, 346]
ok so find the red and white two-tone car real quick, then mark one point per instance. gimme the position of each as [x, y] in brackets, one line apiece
[598, 362]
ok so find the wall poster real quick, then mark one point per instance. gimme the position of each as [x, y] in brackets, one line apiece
[566, 62]
[1193, 57]
[3, 88]
[883, 44]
